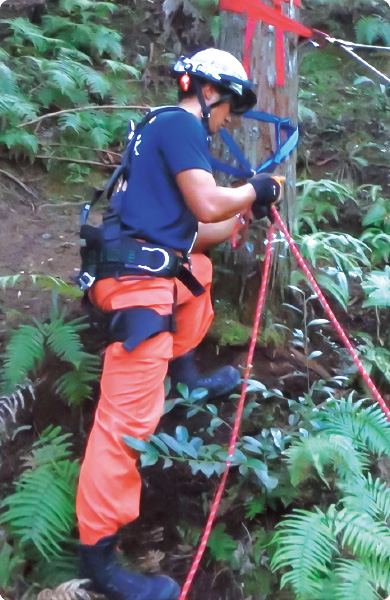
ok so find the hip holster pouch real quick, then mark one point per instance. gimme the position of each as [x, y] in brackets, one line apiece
[131, 326]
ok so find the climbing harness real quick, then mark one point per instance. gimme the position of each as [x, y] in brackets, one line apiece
[107, 251]
[321, 39]
[240, 407]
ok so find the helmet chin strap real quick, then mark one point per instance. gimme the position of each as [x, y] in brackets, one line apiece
[205, 109]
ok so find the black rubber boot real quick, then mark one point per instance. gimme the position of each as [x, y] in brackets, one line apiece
[98, 564]
[217, 383]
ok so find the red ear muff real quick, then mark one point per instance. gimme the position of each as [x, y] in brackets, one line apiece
[185, 81]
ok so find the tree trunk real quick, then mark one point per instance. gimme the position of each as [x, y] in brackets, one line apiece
[258, 139]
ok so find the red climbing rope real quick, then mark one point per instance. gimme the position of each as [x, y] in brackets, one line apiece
[240, 408]
[241, 403]
[331, 315]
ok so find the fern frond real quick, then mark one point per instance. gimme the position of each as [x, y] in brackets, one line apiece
[96, 81]
[107, 40]
[8, 280]
[64, 339]
[101, 137]
[371, 29]
[7, 81]
[354, 582]
[365, 426]
[378, 572]
[41, 510]
[11, 404]
[364, 536]
[320, 451]
[70, 590]
[71, 121]
[368, 495]
[120, 67]
[52, 447]
[27, 31]
[77, 385]
[65, 82]
[306, 544]
[16, 105]
[376, 285]
[19, 139]
[55, 284]
[71, 5]
[24, 353]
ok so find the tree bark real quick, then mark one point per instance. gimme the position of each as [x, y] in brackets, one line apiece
[258, 139]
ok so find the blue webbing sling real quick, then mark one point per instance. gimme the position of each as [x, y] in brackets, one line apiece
[283, 148]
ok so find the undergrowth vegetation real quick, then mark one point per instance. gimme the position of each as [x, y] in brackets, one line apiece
[308, 501]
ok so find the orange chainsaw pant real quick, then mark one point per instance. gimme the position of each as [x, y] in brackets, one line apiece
[132, 395]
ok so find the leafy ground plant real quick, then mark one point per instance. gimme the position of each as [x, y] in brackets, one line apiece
[341, 551]
[39, 515]
[73, 59]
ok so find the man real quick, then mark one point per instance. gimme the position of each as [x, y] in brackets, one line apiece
[168, 205]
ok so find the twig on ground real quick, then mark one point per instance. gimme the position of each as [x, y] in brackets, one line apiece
[79, 161]
[62, 204]
[16, 180]
[82, 148]
[83, 108]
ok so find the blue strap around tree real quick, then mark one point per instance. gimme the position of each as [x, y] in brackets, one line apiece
[282, 149]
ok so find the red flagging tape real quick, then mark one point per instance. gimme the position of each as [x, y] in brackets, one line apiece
[240, 407]
[348, 344]
[255, 9]
[237, 421]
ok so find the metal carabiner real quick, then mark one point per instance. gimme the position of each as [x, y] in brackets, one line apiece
[165, 263]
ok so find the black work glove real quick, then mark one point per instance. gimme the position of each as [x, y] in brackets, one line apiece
[268, 190]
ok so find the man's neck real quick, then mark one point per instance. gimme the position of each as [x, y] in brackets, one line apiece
[192, 105]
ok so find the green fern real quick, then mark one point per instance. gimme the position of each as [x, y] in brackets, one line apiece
[40, 514]
[378, 571]
[333, 450]
[7, 81]
[52, 447]
[8, 280]
[76, 386]
[63, 338]
[362, 534]
[354, 582]
[24, 353]
[365, 426]
[306, 544]
[373, 29]
[377, 287]
[27, 348]
[41, 511]
[367, 495]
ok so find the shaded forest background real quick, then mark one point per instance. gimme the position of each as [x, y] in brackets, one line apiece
[308, 500]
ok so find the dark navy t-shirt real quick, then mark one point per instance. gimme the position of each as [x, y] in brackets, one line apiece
[153, 208]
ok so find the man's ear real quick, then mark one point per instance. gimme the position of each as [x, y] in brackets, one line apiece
[210, 93]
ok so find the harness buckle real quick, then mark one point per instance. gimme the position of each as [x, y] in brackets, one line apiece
[85, 281]
[165, 262]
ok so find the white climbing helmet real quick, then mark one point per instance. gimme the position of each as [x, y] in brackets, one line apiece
[222, 68]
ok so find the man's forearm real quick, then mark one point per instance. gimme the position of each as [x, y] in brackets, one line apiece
[212, 234]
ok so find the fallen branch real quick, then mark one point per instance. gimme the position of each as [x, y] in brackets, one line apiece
[58, 144]
[83, 108]
[77, 160]
[60, 205]
[16, 180]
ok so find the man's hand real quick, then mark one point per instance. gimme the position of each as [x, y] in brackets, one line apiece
[268, 190]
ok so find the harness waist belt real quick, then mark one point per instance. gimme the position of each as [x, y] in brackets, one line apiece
[130, 257]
